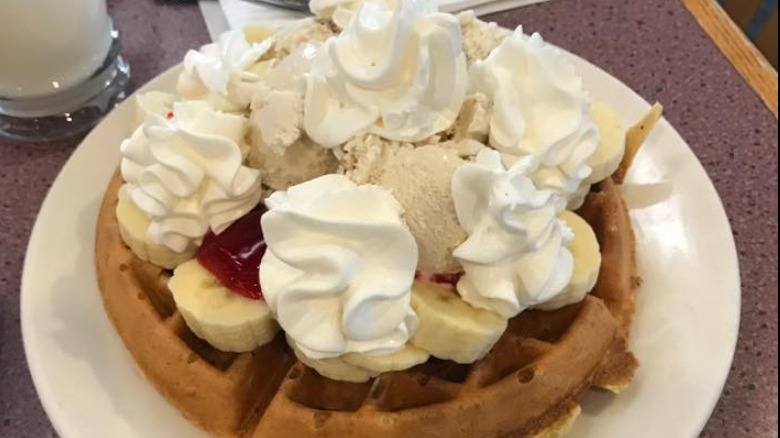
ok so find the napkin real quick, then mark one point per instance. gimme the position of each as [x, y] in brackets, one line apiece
[235, 14]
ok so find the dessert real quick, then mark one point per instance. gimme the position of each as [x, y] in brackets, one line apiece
[364, 225]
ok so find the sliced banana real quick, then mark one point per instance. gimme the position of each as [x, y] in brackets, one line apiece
[612, 145]
[449, 327]
[153, 102]
[587, 263]
[133, 225]
[224, 319]
[407, 357]
[335, 368]
[360, 367]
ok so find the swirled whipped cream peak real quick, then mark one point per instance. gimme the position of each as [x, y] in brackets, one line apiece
[540, 109]
[185, 173]
[339, 267]
[396, 70]
[223, 72]
[516, 253]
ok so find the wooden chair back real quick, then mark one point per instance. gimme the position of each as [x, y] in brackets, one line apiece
[758, 21]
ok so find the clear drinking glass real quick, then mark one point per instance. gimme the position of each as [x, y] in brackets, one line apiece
[60, 67]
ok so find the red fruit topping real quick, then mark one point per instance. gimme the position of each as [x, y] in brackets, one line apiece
[233, 256]
[438, 277]
[169, 115]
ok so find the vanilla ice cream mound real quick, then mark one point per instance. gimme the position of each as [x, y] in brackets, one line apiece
[279, 147]
[337, 12]
[299, 33]
[479, 37]
[419, 179]
[366, 156]
[301, 161]
[473, 122]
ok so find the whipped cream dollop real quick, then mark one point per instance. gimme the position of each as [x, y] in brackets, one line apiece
[185, 173]
[516, 254]
[396, 70]
[223, 72]
[540, 109]
[337, 11]
[339, 267]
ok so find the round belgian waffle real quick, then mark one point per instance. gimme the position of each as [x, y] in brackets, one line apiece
[530, 383]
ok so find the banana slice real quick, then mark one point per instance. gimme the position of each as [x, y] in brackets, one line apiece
[335, 368]
[224, 319]
[407, 357]
[612, 146]
[587, 263]
[360, 367]
[449, 327]
[133, 225]
[153, 102]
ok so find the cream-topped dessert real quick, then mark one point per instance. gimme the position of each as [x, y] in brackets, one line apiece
[429, 180]
[388, 185]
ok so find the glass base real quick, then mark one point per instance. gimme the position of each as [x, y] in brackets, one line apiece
[72, 112]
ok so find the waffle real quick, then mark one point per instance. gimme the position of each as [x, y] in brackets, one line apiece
[529, 385]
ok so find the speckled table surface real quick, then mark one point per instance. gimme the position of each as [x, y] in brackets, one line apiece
[655, 47]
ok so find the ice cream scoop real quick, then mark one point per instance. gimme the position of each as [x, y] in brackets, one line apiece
[420, 180]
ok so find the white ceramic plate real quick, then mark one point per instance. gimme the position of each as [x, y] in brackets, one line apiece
[684, 332]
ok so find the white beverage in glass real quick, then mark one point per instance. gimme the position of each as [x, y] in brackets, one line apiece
[49, 45]
[60, 67]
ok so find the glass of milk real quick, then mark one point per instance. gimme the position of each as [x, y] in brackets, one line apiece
[60, 67]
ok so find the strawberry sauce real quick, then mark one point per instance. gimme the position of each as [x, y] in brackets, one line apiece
[233, 256]
[438, 277]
